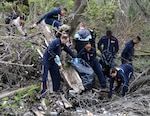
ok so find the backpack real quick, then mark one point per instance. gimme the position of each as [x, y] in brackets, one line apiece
[107, 61]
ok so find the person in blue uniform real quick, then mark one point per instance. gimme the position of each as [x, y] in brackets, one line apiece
[53, 17]
[120, 76]
[109, 43]
[128, 51]
[52, 63]
[81, 37]
[88, 53]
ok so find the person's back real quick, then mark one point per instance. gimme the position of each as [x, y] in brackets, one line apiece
[82, 36]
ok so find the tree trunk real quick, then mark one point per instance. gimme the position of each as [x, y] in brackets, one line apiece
[78, 9]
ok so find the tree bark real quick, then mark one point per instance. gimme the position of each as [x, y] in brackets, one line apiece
[78, 9]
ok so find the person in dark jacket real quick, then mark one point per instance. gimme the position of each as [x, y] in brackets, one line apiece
[81, 37]
[51, 62]
[53, 17]
[109, 43]
[88, 53]
[121, 76]
[128, 52]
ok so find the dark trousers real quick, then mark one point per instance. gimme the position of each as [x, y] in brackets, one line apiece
[55, 76]
[98, 70]
[53, 22]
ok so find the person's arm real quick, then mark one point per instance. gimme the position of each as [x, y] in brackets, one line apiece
[125, 50]
[76, 36]
[52, 46]
[125, 83]
[69, 51]
[116, 46]
[79, 55]
[89, 37]
[111, 87]
[131, 53]
[100, 44]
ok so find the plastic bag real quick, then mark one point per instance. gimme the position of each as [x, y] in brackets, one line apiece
[85, 72]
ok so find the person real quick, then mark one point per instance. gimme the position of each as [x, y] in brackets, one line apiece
[109, 43]
[53, 17]
[88, 53]
[93, 35]
[81, 37]
[16, 21]
[128, 51]
[121, 75]
[52, 63]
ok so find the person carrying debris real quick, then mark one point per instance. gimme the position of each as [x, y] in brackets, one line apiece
[52, 63]
[109, 43]
[120, 76]
[108, 46]
[81, 37]
[88, 53]
[16, 21]
[128, 51]
[53, 17]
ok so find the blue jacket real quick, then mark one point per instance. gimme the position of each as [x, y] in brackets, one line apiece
[108, 44]
[55, 48]
[124, 73]
[128, 51]
[89, 57]
[53, 14]
[83, 35]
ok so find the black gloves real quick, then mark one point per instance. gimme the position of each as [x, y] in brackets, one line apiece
[26, 34]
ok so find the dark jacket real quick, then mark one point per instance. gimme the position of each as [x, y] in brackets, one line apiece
[53, 14]
[89, 57]
[128, 51]
[55, 48]
[110, 44]
[124, 73]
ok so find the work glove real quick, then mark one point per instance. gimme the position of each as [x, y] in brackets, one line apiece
[75, 60]
[57, 61]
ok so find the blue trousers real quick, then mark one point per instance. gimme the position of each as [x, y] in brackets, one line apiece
[53, 22]
[98, 70]
[55, 75]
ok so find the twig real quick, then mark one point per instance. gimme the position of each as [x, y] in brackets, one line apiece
[22, 65]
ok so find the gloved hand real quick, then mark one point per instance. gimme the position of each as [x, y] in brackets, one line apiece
[57, 60]
[75, 60]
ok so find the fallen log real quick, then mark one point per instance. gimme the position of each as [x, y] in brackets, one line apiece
[16, 64]
[139, 82]
[10, 93]
[66, 103]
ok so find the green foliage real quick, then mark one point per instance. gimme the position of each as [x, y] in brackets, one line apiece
[24, 9]
[101, 12]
